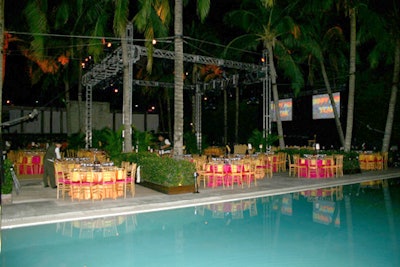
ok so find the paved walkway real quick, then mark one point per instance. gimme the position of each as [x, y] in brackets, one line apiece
[36, 205]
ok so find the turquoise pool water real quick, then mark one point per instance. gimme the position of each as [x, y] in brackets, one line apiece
[345, 226]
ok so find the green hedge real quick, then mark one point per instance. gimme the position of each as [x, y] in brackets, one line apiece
[7, 186]
[160, 170]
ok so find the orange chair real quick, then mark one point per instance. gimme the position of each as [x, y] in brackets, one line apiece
[327, 166]
[236, 175]
[301, 167]
[338, 165]
[370, 162]
[362, 159]
[63, 180]
[218, 175]
[248, 174]
[268, 165]
[379, 162]
[312, 168]
[293, 164]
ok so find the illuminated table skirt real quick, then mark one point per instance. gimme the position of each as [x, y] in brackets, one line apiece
[321, 170]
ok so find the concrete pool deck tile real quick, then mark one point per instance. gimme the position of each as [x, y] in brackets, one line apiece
[35, 205]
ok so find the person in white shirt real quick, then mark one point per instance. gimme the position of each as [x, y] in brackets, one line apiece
[53, 153]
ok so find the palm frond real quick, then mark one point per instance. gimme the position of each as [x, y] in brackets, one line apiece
[203, 7]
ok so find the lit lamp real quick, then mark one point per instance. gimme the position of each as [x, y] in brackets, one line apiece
[260, 147]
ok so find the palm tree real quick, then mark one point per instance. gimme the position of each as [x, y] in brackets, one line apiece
[1, 60]
[272, 27]
[323, 44]
[144, 21]
[393, 97]
[352, 12]
[68, 18]
[203, 7]
[386, 33]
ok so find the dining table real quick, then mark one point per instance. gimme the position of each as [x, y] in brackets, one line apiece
[221, 174]
[94, 180]
[315, 167]
[29, 162]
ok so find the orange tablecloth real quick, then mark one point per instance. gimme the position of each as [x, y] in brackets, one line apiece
[89, 184]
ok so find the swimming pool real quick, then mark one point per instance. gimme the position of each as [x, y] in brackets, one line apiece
[344, 226]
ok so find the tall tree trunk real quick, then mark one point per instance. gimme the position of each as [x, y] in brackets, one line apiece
[352, 80]
[81, 126]
[2, 67]
[169, 114]
[225, 116]
[275, 96]
[393, 98]
[126, 107]
[335, 112]
[161, 119]
[67, 105]
[178, 80]
[237, 115]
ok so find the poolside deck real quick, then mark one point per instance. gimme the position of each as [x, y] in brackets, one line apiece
[36, 205]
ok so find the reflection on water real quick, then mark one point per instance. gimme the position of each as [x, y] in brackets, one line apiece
[106, 227]
[355, 225]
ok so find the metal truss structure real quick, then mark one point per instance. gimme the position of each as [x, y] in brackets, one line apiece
[112, 66]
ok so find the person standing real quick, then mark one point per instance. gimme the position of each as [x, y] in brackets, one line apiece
[53, 153]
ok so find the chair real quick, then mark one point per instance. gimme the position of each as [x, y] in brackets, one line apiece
[218, 176]
[327, 166]
[338, 165]
[370, 163]
[76, 181]
[106, 187]
[312, 168]
[201, 170]
[269, 165]
[63, 180]
[302, 169]
[293, 164]
[236, 175]
[36, 164]
[248, 174]
[21, 165]
[120, 181]
[259, 168]
[89, 182]
[131, 178]
[379, 162]
[281, 163]
[208, 174]
[362, 159]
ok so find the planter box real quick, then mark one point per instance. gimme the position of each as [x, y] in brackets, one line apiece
[170, 190]
[6, 199]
